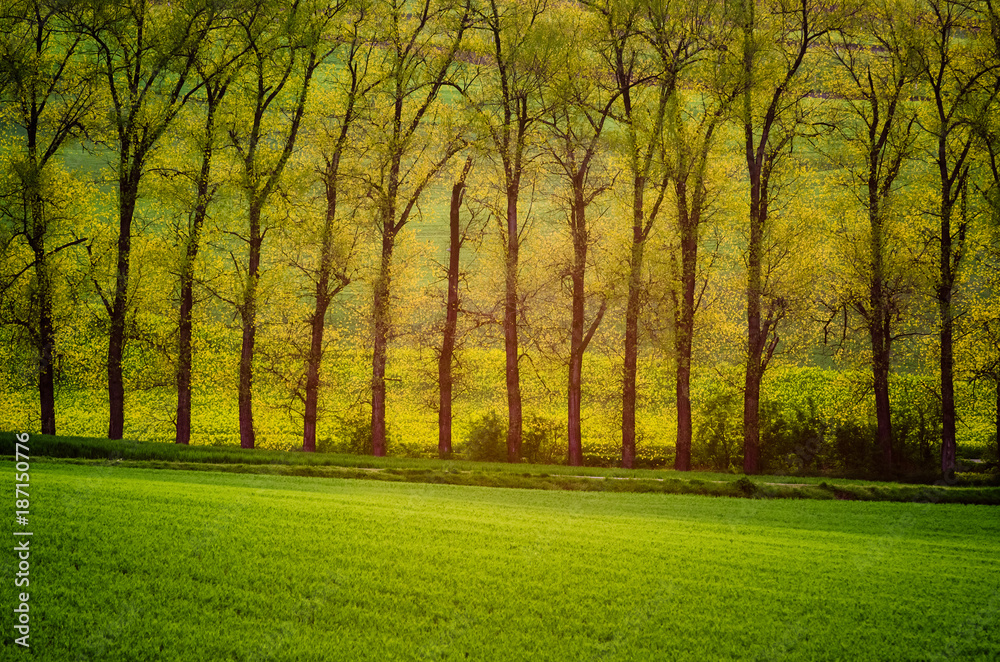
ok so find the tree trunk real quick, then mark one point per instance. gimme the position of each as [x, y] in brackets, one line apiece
[313, 362]
[510, 328]
[248, 310]
[317, 323]
[879, 324]
[128, 186]
[883, 409]
[184, 359]
[630, 368]
[755, 336]
[45, 341]
[945, 290]
[381, 340]
[579, 231]
[445, 379]
[684, 333]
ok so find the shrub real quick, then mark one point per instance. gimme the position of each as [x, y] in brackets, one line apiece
[543, 441]
[718, 439]
[354, 436]
[487, 440]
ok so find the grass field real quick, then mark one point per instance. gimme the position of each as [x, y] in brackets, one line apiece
[135, 564]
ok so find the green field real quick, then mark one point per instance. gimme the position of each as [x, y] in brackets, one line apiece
[136, 564]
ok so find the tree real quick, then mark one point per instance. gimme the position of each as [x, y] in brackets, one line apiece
[147, 54]
[636, 77]
[877, 131]
[284, 47]
[456, 237]
[692, 53]
[954, 73]
[775, 39]
[215, 70]
[578, 113]
[46, 95]
[332, 274]
[417, 57]
[510, 109]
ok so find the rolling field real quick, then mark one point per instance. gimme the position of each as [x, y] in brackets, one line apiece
[135, 564]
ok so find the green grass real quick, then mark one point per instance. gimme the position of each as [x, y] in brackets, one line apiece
[132, 564]
[972, 489]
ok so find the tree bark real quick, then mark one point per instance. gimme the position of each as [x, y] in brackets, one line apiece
[128, 187]
[756, 336]
[185, 359]
[45, 340]
[510, 332]
[945, 291]
[248, 314]
[879, 329]
[381, 327]
[630, 368]
[578, 227]
[324, 290]
[684, 332]
[445, 379]
[317, 322]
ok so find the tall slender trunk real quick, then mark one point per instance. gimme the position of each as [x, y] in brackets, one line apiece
[381, 340]
[684, 332]
[445, 379]
[510, 310]
[324, 295]
[184, 359]
[945, 290]
[128, 186]
[579, 231]
[248, 312]
[313, 362]
[630, 368]
[755, 337]
[879, 329]
[45, 341]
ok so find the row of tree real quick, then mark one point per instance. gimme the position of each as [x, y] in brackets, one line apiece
[246, 104]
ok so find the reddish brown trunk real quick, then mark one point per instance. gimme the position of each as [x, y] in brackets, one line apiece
[317, 322]
[684, 324]
[316, 328]
[128, 185]
[248, 311]
[46, 329]
[510, 332]
[631, 363]
[450, 324]
[576, 331]
[945, 291]
[755, 337]
[381, 341]
[185, 359]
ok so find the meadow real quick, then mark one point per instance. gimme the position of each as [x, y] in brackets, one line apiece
[137, 564]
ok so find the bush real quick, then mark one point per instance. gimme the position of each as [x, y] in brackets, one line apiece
[487, 440]
[354, 436]
[718, 438]
[542, 440]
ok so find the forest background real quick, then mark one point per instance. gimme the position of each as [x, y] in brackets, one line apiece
[748, 236]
